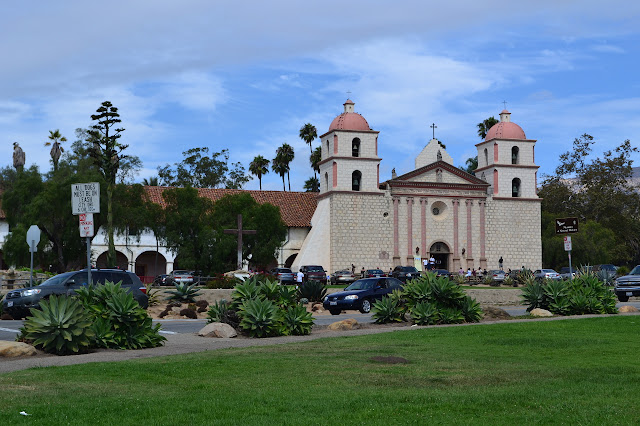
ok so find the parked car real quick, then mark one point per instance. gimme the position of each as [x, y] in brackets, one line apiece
[548, 274]
[404, 273]
[361, 294]
[313, 273]
[181, 276]
[162, 279]
[371, 273]
[283, 275]
[497, 274]
[343, 276]
[628, 285]
[564, 273]
[18, 302]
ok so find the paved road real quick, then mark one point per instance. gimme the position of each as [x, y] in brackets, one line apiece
[9, 329]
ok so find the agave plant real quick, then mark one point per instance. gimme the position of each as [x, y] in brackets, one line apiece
[184, 293]
[260, 318]
[387, 310]
[269, 290]
[61, 326]
[470, 310]
[217, 311]
[450, 316]
[314, 291]
[533, 295]
[245, 291]
[297, 321]
[424, 313]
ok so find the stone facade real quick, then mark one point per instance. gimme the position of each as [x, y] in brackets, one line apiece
[438, 210]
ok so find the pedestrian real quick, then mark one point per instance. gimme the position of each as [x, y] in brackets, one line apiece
[461, 271]
[425, 264]
[500, 262]
[299, 277]
[362, 273]
[353, 268]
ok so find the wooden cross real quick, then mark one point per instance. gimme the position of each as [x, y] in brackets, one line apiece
[239, 232]
[434, 127]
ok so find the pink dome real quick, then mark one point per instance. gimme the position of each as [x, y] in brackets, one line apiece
[349, 120]
[505, 129]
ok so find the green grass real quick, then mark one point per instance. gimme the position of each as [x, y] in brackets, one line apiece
[556, 372]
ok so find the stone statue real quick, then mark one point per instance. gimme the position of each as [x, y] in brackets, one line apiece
[393, 173]
[18, 157]
[439, 156]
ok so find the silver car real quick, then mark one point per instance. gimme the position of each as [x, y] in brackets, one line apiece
[497, 275]
[549, 274]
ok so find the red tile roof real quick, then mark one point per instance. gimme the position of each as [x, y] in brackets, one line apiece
[296, 208]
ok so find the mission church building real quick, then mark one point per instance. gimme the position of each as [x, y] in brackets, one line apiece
[438, 210]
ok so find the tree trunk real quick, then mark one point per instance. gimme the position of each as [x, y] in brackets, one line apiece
[284, 187]
[111, 255]
[289, 180]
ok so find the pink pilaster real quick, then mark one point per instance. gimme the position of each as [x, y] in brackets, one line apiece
[483, 257]
[335, 174]
[396, 244]
[423, 226]
[469, 203]
[456, 252]
[495, 152]
[495, 182]
[409, 227]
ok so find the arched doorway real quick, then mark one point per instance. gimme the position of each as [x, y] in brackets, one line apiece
[440, 252]
[121, 261]
[150, 264]
[290, 259]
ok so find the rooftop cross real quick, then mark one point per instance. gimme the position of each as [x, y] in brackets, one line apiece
[239, 232]
[505, 104]
[433, 127]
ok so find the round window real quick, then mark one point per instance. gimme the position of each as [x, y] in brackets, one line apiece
[439, 210]
[436, 211]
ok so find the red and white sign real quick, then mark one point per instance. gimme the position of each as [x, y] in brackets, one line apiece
[567, 243]
[86, 224]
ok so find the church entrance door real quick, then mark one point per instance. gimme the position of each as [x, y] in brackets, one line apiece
[440, 252]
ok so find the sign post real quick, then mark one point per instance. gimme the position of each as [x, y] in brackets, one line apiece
[85, 200]
[567, 225]
[33, 238]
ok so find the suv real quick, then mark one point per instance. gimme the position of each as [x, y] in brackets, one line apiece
[313, 273]
[18, 302]
[283, 275]
[628, 285]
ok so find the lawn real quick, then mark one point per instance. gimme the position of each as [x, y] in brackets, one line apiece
[572, 371]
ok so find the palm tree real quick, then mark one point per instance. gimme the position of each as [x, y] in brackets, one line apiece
[483, 128]
[55, 139]
[308, 133]
[315, 158]
[152, 181]
[286, 154]
[312, 184]
[279, 167]
[472, 164]
[258, 167]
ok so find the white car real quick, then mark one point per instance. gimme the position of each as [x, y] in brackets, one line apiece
[181, 276]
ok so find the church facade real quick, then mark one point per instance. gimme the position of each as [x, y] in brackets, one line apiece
[463, 221]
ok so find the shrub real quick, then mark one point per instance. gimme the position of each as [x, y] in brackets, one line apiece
[510, 282]
[185, 293]
[314, 291]
[222, 281]
[623, 270]
[387, 310]
[424, 313]
[61, 326]
[260, 318]
[245, 291]
[202, 303]
[153, 293]
[470, 310]
[297, 321]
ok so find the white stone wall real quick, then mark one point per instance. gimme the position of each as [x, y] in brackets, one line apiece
[525, 154]
[513, 232]
[293, 243]
[447, 177]
[506, 175]
[429, 154]
[362, 233]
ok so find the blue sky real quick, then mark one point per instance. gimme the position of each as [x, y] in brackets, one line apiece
[246, 76]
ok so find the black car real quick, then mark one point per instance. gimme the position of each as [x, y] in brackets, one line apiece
[18, 302]
[361, 294]
[404, 273]
[371, 273]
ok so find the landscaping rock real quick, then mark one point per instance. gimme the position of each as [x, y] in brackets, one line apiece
[217, 329]
[15, 349]
[537, 312]
[317, 307]
[627, 309]
[348, 324]
[491, 313]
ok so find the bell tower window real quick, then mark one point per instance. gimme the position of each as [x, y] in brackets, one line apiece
[486, 157]
[515, 187]
[355, 147]
[326, 181]
[356, 180]
[514, 155]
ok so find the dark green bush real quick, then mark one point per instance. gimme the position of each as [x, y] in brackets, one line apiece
[387, 310]
[297, 321]
[260, 318]
[221, 281]
[313, 291]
